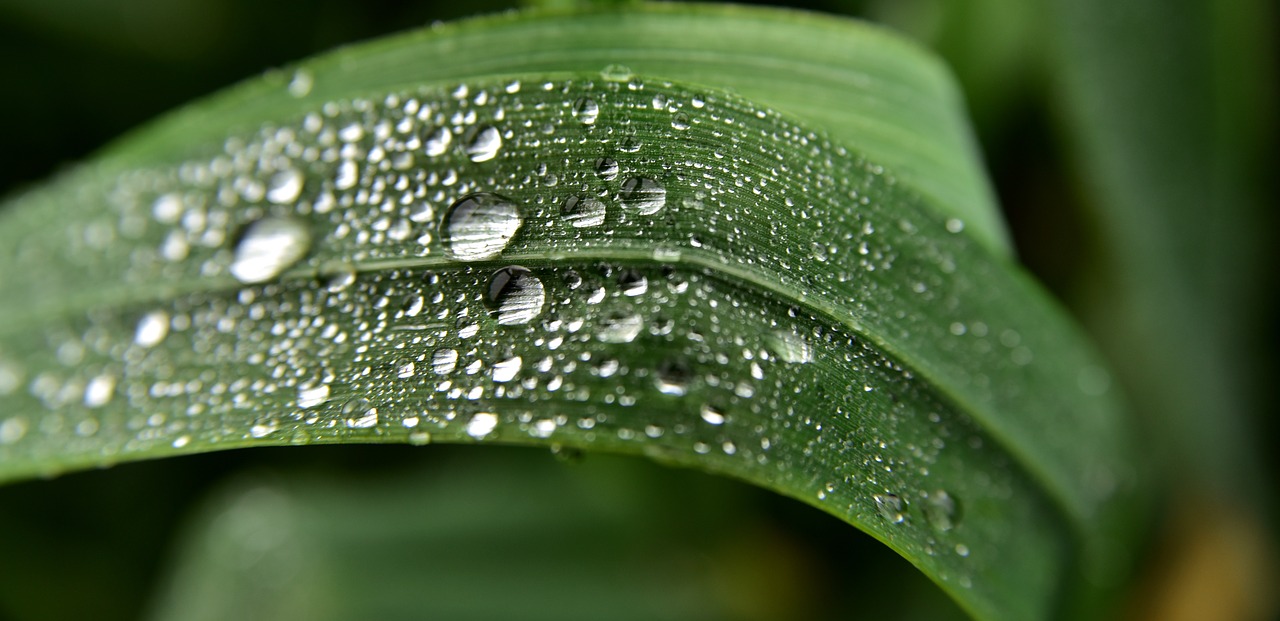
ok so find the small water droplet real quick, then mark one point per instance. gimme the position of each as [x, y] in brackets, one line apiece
[152, 329]
[891, 507]
[940, 510]
[583, 211]
[516, 295]
[619, 327]
[607, 168]
[643, 195]
[712, 414]
[673, 377]
[482, 143]
[680, 121]
[955, 225]
[99, 391]
[311, 396]
[263, 428]
[482, 424]
[420, 438]
[585, 109]
[268, 247]
[12, 430]
[285, 187]
[437, 142]
[616, 73]
[791, 347]
[359, 413]
[962, 550]
[633, 283]
[341, 277]
[406, 370]
[506, 370]
[300, 85]
[479, 226]
[444, 361]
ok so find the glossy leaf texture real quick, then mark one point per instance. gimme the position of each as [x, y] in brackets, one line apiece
[372, 248]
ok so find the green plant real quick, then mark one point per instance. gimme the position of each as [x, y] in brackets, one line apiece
[596, 230]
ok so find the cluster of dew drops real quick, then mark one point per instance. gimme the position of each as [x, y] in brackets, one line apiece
[409, 343]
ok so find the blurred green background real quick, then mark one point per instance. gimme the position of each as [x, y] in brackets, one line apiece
[1133, 148]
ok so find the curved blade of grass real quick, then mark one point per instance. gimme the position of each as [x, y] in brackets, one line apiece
[790, 312]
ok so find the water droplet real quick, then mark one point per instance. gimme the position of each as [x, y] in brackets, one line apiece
[616, 73]
[268, 247]
[712, 414]
[680, 121]
[673, 377]
[359, 413]
[506, 370]
[891, 507]
[341, 277]
[955, 225]
[444, 361]
[619, 327]
[12, 430]
[311, 396]
[99, 391]
[285, 187]
[300, 85]
[962, 550]
[152, 329]
[791, 347]
[940, 510]
[643, 195]
[479, 226]
[607, 168]
[482, 143]
[516, 295]
[583, 211]
[437, 142]
[482, 424]
[420, 438]
[633, 283]
[263, 428]
[406, 370]
[585, 109]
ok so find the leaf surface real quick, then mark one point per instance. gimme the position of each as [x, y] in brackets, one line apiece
[493, 232]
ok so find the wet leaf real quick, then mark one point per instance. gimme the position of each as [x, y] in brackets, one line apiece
[591, 231]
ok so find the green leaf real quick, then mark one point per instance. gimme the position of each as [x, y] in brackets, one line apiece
[776, 265]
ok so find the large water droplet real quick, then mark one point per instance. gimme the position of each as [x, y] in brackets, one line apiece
[99, 391]
[516, 295]
[479, 226]
[506, 370]
[583, 211]
[268, 247]
[585, 109]
[680, 121]
[712, 415]
[482, 143]
[643, 195]
[633, 283]
[891, 507]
